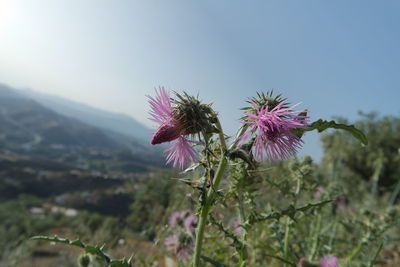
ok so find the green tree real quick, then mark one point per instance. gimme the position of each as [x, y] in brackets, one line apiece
[378, 163]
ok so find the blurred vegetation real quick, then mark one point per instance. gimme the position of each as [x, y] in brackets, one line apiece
[151, 203]
[360, 226]
[378, 163]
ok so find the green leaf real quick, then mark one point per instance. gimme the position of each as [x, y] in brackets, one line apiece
[321, 125]
[241, 154]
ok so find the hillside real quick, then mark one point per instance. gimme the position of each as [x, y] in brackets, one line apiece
[36, 142]
[116, 122]
[66, 162]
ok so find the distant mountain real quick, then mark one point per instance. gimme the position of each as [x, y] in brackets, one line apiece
[28, 128]
[66, 161]
[115, 122]
[24, 121]
[8, 92]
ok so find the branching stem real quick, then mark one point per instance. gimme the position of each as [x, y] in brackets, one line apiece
[207, 204]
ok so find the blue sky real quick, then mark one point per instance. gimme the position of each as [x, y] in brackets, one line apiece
[336, 57]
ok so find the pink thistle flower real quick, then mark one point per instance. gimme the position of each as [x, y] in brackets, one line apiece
[181, 152]
[329, 261]
[161, 107]
[273, 131]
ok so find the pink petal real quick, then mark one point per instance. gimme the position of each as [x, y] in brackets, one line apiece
[181, 153]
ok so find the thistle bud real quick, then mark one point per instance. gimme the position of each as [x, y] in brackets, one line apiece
[84, 260]
[265, 100]
[179, 120]
[192, 116]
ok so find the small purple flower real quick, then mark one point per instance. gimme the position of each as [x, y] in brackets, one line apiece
[176, 218]
[237, 228]
[183, 219]
[181, 153]
[182, 245]
[190, 223]
[318, 193]
[273, 131]
[303, 261]
[329, 261]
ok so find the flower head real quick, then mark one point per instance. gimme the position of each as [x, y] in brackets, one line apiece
[177, 119]
[329, 261]
[273, 125]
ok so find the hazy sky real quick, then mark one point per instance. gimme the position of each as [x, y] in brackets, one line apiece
[337, 57]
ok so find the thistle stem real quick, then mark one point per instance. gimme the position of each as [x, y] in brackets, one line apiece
[207, 204]
[286, 241]
[240, 132]
[199, 235]
[354, 252]
[314, 246]
[221, 136]
[242, 216]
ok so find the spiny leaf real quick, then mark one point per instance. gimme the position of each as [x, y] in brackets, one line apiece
[78, 243]
[95, 250]
[56, 239]
[120, 263]
[192, 167]
[237, 244]
[241, 154]
[290, 211]
[321, 125]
